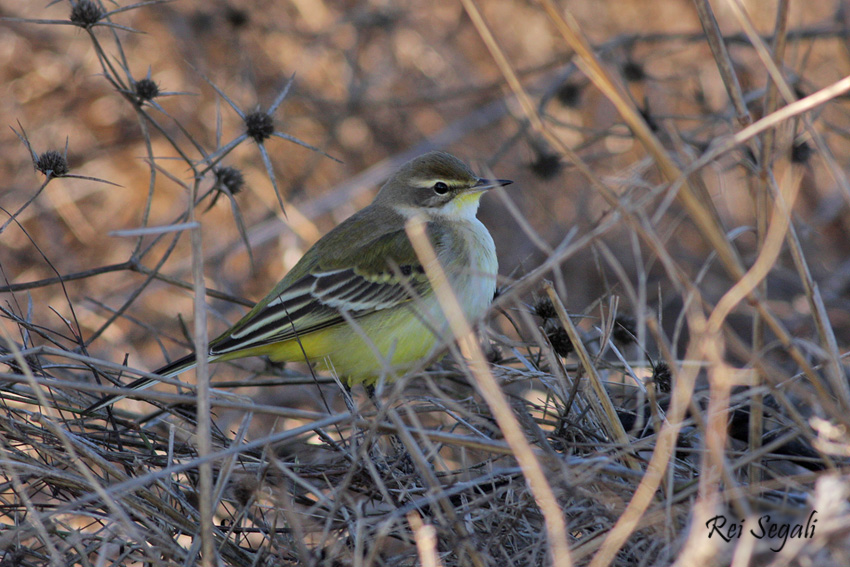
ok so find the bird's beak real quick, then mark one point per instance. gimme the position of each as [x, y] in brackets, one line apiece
[485, 184]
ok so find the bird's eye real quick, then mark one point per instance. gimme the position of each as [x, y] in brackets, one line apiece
[441, 188]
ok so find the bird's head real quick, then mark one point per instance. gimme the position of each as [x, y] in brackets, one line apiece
[438, 184]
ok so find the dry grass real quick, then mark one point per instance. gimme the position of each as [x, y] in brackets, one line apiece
[687, 361]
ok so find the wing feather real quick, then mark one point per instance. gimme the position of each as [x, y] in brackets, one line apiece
[315, 302]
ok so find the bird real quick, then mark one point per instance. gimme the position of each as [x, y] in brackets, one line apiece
[359, 302]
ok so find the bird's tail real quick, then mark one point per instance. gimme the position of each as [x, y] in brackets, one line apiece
[171, 369]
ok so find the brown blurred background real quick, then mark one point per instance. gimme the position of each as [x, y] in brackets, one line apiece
[376, 82]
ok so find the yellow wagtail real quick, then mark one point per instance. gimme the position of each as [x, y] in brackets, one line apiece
[359, 301]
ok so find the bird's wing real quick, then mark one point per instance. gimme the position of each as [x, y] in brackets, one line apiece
[389, 275]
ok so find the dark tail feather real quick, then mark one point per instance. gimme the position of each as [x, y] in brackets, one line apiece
[178, 366]
[167, 371]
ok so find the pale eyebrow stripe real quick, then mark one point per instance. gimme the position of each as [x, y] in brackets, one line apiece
[431, 181]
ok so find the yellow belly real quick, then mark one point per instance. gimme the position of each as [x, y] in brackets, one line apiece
[387, 343]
